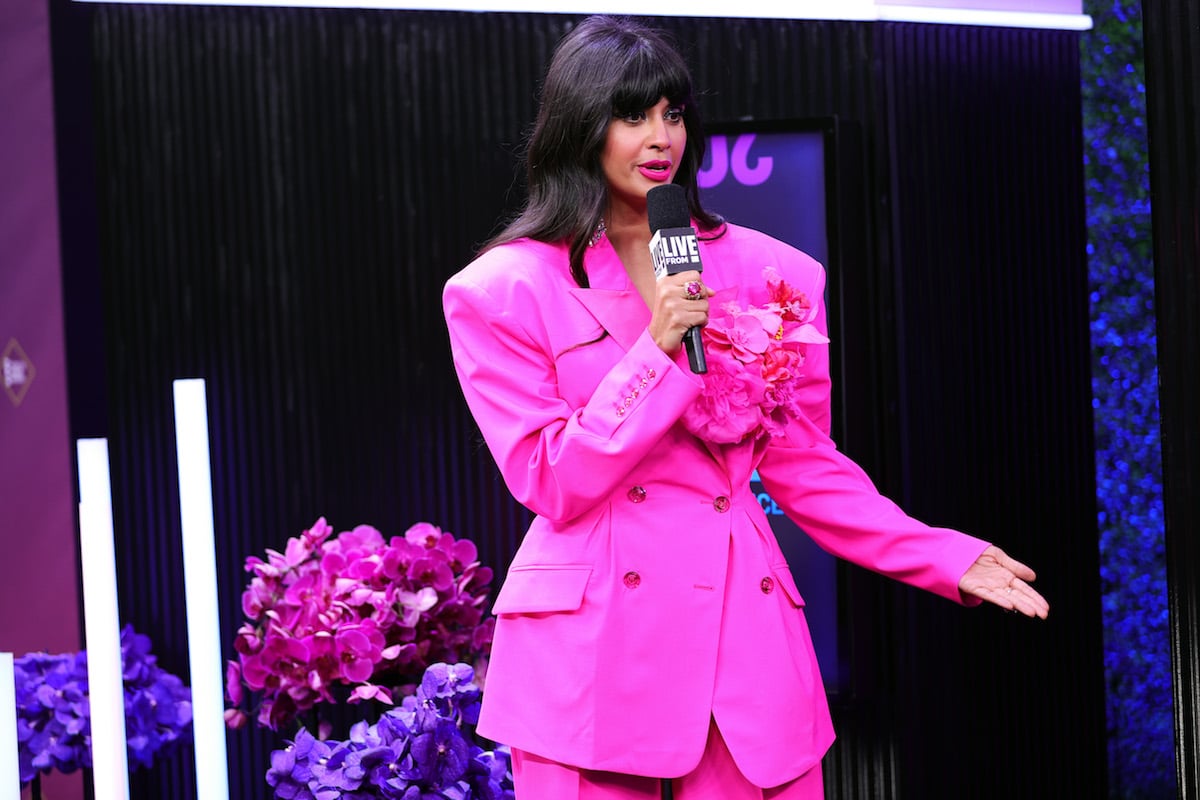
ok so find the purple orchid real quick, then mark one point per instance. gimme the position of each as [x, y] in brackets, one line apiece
[422, 749]
[54, 712]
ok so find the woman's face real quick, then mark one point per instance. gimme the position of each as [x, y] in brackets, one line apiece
[642, 150]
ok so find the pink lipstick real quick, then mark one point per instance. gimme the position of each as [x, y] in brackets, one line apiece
[655, 170]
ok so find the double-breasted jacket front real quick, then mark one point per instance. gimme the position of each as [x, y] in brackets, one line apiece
[649, 596]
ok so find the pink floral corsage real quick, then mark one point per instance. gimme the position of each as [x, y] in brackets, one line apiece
[755, 356]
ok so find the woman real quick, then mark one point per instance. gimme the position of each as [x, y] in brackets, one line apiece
[649, 627]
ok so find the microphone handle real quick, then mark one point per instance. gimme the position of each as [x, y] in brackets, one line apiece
[691, 339]
[695, 350]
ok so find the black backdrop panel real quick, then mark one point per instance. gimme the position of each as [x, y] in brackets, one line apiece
[1173, 102]
[281, 194]
[995, 399]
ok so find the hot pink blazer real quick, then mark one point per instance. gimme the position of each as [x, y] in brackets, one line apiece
[649, 594]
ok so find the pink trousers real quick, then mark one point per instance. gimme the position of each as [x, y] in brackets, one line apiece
[716, 778]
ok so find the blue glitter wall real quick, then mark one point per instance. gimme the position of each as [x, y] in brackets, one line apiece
[1125, 387]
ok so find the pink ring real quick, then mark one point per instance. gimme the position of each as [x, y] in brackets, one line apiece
[694, 290]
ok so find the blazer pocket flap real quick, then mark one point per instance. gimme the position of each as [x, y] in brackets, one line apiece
[783, 575]
[540, 589]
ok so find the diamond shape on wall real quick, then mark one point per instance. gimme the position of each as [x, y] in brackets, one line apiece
[18, 371]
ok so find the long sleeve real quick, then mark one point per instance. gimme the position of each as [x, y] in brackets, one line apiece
[834, 501]
[558, 459]
[836, 504]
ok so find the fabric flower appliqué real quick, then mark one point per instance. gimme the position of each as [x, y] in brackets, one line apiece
[755, 356]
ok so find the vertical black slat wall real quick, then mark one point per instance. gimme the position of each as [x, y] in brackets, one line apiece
[282, 193]
[995, 415]
[1172, 33]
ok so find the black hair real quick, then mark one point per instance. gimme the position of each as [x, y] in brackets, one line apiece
[605, 66]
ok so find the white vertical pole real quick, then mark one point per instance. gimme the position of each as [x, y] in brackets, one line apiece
[200, 589]
[110, 770]
[10, 787]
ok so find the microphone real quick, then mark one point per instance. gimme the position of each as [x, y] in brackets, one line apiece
[674, 248]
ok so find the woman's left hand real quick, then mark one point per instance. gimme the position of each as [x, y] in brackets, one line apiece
[999, 579]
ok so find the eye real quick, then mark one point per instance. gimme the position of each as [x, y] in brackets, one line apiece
[630, 116]
[674, 114]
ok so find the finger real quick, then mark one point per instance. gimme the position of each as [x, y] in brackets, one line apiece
[1017, 597]
[687, 275]
[1009, 563]
[684, 280]
[1029, 600]
[694, 319]
[1021, 599]
[685, 294]
[996, 595]
[1017, 568]
[1030, 607]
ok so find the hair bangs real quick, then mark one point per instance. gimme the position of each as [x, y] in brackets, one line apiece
[652, 75]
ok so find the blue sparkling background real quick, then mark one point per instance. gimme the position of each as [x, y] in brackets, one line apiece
[1125, 398]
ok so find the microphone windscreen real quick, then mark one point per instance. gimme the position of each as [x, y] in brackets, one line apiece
[666, 207]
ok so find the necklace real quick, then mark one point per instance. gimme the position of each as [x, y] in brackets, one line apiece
[597, 234]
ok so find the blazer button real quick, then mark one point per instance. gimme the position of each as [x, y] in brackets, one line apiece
[636, 494]
[767, 585]
[632, 580]
[721, 503]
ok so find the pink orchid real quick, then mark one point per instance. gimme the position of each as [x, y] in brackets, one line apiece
[395, 559]
[260, 568]
[369, 691]
[424, 534]
[298, 551]
[305, 592]
[432, 571]
[318, 533]
[256, 599]
[333, 561]
[415, 604]
[356, 594]
[235, 718]
[364, 568]
[462, 552]
[356, 654]
[281, 658]
[233, 682]
[357, 543]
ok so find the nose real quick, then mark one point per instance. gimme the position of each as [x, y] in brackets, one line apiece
[660, 133]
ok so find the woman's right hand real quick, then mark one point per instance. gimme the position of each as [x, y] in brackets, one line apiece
[675, 310]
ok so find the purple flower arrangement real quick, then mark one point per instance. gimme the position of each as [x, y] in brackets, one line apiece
[53, 725]
[54, 729]
[158, 707]
[422, 749]
[357, 613]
